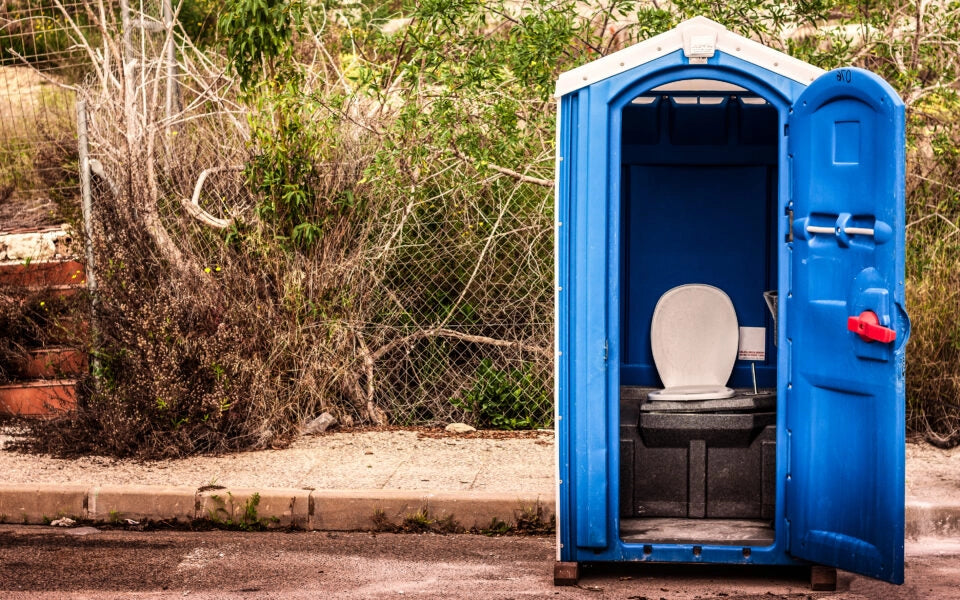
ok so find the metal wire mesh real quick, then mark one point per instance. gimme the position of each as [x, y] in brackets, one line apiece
[449, 298]
[38, 61]
[458, 325]
[469, 294]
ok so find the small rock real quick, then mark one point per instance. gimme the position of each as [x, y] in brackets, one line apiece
[63, 522]
[459, 428]
[320, 424]
[83, 531]
[131, 522]
[264, 437]
[378, 416]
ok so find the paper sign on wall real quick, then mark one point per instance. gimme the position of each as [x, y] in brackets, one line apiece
[753, 343]
[702, 45]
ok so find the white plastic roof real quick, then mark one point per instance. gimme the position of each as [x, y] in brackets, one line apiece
[699, 38]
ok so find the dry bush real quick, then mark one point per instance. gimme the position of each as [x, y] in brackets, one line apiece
[933, 372]
[933, 286]
[198, 341]
[403, 301]
[33, 319]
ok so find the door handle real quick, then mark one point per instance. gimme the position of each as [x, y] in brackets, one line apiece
[867, 326]
[846, 230]
[843, 228]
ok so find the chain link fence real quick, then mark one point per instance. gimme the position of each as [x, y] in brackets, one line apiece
[446, 309]
[470, 301]
[39, 62]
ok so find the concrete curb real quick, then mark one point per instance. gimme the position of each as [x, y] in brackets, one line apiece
[327, 510]
[311, 510]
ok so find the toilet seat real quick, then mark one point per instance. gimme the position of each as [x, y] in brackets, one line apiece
[694, 336]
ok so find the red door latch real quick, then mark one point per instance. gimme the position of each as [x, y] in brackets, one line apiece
[868, 327]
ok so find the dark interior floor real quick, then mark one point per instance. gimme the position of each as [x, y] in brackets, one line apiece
[725, 532]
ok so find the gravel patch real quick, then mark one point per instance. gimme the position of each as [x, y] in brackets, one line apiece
[343, 460]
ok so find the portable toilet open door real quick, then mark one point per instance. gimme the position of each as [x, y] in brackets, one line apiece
[699, 174]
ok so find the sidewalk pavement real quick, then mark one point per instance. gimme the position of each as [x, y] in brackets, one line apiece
[345, 480]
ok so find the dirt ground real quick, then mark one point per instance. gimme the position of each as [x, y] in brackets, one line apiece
[46, 563]
[396, 459]
[933, 474]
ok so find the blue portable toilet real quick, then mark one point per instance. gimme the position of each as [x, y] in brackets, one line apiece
[696, 171]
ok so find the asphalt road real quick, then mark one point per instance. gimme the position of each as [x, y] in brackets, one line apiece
[46, 562]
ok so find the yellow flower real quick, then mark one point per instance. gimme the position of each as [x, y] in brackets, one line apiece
[206, 270]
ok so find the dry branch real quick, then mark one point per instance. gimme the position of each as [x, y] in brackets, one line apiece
[193, 204]
[508, 172]
[458, 335]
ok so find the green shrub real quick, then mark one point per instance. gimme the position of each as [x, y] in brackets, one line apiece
[513, 399]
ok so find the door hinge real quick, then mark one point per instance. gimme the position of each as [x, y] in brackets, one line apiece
[786, 534]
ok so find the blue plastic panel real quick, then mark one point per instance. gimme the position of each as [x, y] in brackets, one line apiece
[695, 224]
[845, 397]
[566, 195]
[700, 205]
[589, 336]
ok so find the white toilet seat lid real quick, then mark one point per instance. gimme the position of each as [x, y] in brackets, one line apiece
[694, 336]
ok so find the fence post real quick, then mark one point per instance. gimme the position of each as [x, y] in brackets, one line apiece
[171, 56]
[127, 32]
[86, 207]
